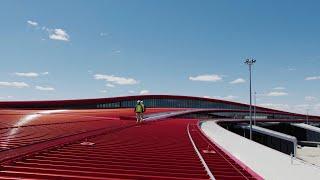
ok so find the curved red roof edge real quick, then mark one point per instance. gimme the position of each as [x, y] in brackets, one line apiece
[12, 104]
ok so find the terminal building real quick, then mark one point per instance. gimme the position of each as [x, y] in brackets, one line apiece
[220, 107]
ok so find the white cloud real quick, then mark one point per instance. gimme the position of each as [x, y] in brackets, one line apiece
[142, 92]
[300, 108]
[58, 34]
[27, 74]
[54, 34]
[103, 91]
[284, 107]
[30, 74]
[116, 79]
[110, 85]
[279, 88]
[237, 81]
[310, 98]
[316, 109]
[7, 97]
[291, 69]
[277, 93]
[44, 28]
[206, 77]
[104, 34]
[14, 84]
[312, 78]
[45, 88]
[32, 23]
[116, 51]
[230, 97]
[132, 92]
[217, 97]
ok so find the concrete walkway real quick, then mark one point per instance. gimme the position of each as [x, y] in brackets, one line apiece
[268, 163]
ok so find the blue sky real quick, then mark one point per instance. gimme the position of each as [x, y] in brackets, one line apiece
[90, 49]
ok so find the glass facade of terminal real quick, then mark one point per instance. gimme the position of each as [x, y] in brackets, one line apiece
[194, 103]
[174, 103]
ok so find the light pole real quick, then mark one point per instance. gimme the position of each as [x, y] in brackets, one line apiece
[250, 62]
[254, 108]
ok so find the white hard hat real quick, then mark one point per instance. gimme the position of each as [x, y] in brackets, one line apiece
[138, 101]
[141, 101]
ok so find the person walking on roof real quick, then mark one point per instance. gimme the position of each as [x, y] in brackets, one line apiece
[139, 111]
[143, 108]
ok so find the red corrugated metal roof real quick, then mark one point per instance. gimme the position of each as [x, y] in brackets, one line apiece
[153, 150]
